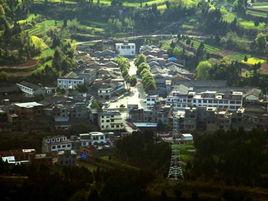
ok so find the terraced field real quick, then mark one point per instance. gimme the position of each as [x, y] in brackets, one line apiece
[130, 3]
[259, 9]
[44, 26]
[246, 24]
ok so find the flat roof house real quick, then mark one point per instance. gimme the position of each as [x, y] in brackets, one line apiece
[111, 120]
[30, 89]
[70, 81]
[125, 49]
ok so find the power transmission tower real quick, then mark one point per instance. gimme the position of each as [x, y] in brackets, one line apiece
[175, 171]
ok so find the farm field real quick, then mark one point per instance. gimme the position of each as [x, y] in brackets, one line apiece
[208, 48]
[256, 13]
[130, 3]
[44, 26]
[29, 19]
[259, 9]
[263, 6]
[246, 24]
[185, 151]
[253, 60]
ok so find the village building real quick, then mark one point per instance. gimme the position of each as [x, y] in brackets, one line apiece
[125, 49]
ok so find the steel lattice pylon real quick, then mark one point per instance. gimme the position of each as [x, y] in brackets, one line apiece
[175, 171]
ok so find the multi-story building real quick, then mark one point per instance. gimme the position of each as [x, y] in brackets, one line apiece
[98, 138]
[107, 90]
[30, 89]
[201, 118]
[92, 138]
[155, 115]
[225, 101]
[65, 114]
[125, 49]
[185, 120]
[56, 143]
[151, 101]
[70, 81]
[67, 158]
[27, 116]
[110, 120]
[85, 139]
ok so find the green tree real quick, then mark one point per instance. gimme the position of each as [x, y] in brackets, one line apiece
[261, 41]
[203, 70]
[140, 59]
[133, 80]
[2, 11]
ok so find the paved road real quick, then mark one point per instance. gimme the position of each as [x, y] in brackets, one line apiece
[144, 36]
[136, 96]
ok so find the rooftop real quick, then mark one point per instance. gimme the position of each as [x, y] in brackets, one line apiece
[29, 85]
[96, 133]
[28, 104]
[145, 125]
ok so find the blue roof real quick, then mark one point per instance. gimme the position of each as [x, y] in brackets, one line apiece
[172, 59]
[145, 125]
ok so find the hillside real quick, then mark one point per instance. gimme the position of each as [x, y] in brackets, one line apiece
[232, 31]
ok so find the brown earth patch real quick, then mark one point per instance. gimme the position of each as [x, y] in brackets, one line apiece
[264, 68]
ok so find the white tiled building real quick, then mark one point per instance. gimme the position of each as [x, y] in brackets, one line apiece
[110, 120]
[70, 81]
[92, 138]
[126, 49]
[98, 138]
[55, 144]
[226, 101]
[152, 100]
[30, 89]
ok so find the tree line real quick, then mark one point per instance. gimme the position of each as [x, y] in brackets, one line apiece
[124, 65]
[143, 70]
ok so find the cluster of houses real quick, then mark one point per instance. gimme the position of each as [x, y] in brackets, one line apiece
[58, 113]
[165, 69]
[203, 106]
[179, 104]
[60, 150]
